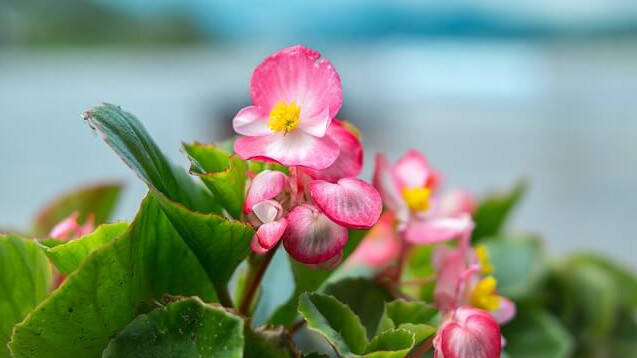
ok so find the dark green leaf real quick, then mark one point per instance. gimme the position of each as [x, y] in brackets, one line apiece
[187, 328]
[494, 210]
[111, 287]
[128, 138]
[308, 279]
[411, 316]
[25, 278]
[67, 256]
[535, 333]
[98, 200]
[520, 265]
[337, 323]
[223, 174]
[365, 297]
[269, 342]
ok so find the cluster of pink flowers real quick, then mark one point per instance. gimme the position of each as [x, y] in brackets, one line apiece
[296, 96]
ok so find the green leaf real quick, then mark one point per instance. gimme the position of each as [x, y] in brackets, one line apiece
[308, 279]
[625, 280]
[187, 328]
[520, 265]
[25, 278]
[365, 297]
[111, 287]
[128, 138]
[535, 333]
[494, 210]
[419, 266]
[68, 255]
[219, 244]
[411, 316]
[337, 323]
[98, 200]
[223, 174]
[269, 342]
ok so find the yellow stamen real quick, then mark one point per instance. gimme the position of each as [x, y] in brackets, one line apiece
[285, 117]
[483, 295]
[417, 198]
[483, 256]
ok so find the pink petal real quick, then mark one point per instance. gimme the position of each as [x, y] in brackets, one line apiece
[251, 122]
[267, 210]
[412, 170]
[266, 185]
[388, 187]
[292, 149]
[381, 246]
[456, 202]
[449, 273]
[350, 160]
[351, 202]
[312, 237]
[470, 333]
[66, 228]
[435, 230]
[270, 233]
[505, 312]
[299, 74]
[256, 246]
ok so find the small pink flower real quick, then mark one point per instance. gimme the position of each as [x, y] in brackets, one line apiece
[407, 189]
[296, 94]
[380, 247]
[311, 217]
[69, 228]
[463, 279]
[468, 332]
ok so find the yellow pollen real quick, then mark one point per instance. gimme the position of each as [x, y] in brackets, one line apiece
[483, 256]
[417, 198]
[484, 296]
[285, 117]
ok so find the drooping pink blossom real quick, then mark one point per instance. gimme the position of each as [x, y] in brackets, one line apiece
[68, 229]
[311, 217]
[408, 189]
[296, 93]
[468, 332]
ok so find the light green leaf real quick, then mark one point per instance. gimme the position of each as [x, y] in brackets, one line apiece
[308, 279]
[535, 333]
[67, 256]
[219, 244]
[520, 265]
[187, 328]
[411, 316]
[419, 266]
[223, 174]
[493, 211]
[111, 287]
[365, 297]
[337, 323]
[25, 278]
[98, 200]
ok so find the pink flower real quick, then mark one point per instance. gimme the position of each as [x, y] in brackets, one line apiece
[468, 332]
[381, 246]
[295, 94]
[311, 217]
[69, 228]
[407, 189]
[463, 279]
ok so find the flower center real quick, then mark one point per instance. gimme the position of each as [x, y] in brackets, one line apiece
[285, 117]
[483, 295]
[417, 198]
[483, 256]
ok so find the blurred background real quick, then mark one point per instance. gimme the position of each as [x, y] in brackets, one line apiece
[491, 91]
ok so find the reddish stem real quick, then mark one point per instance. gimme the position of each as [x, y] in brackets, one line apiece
[418, 353]
[256, 281]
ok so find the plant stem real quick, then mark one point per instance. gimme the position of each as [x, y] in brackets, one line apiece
[223, 295]
[418, 353]
[253, 285]
[295, 328]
